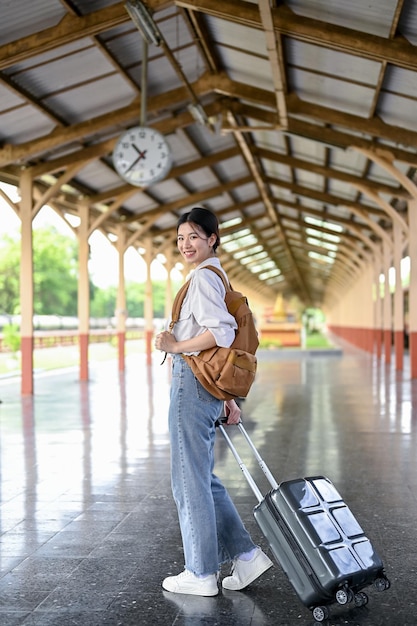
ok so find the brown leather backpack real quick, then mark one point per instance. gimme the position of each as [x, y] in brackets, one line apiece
[226, 373]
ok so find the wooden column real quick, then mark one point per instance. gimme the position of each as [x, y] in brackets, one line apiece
[26, 283]
[398, 300]
[168, 298]
[378, 308]
[387, 321]
[121, 312]
[148, 302]
[412, 299]
[83, 290]
[368, 321]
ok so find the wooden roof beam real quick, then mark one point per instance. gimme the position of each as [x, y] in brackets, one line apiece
[397, 50]
[327, 172]
[69, 29]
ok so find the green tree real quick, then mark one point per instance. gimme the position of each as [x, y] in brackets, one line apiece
[103, 302]
[55, 259]
[9, 274]
[159, 298]
[135, 299]
[11, 337]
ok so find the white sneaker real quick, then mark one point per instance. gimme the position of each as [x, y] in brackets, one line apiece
[245, 572]
[187, 582]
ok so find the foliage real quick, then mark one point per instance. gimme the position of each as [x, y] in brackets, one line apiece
[9, 274]
[314, 319]
[103, 304]
[269, 343]
[317, 340]
[135, 299]
[11, 337]
[55, 260]
[314, 339]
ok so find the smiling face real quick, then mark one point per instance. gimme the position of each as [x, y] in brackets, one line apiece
[193, 243]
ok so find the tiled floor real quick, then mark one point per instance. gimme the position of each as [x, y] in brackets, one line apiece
[88, 527]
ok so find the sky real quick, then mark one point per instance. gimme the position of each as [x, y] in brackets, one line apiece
[103, 262]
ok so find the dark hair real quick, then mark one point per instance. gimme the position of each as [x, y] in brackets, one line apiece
[204, 218]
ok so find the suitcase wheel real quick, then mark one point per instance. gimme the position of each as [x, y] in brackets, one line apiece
[381, 584]
[343, 596]
[361, 599]
[320, 613]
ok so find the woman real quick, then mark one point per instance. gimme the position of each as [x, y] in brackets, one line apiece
[212, 531]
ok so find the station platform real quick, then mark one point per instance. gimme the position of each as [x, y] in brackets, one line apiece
[88, 527]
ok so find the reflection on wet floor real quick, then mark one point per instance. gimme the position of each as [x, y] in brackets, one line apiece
[88, 527]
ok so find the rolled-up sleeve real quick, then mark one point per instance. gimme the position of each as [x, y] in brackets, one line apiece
[205, 301]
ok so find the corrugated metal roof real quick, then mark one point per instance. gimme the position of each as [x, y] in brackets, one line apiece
[85, 7]
[23, 124]
[81, 65]
[373, 16]
[324, 61]
[20, 19]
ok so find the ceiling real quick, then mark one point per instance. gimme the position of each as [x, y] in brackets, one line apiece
[296, 97]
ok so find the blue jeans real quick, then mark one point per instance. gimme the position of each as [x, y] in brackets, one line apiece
[211, 528]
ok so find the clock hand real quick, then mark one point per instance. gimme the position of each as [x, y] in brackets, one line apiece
[132, 165]
[142, 155]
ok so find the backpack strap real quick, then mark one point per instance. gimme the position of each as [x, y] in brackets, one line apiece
[232, 305]
[219, 273]
[176, 307]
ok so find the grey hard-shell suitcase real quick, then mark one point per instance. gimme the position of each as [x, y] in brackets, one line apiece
[315, 538]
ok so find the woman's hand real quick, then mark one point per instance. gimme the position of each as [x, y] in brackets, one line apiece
[165, 342]
[232, 412]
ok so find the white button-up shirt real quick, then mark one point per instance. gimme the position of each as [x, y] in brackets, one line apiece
[204, 308]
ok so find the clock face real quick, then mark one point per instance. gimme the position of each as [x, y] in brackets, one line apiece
[142, 156]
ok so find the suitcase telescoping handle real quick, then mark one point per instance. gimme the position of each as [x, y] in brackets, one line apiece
[241, 464]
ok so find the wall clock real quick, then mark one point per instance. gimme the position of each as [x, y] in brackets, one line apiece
[142, 156]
